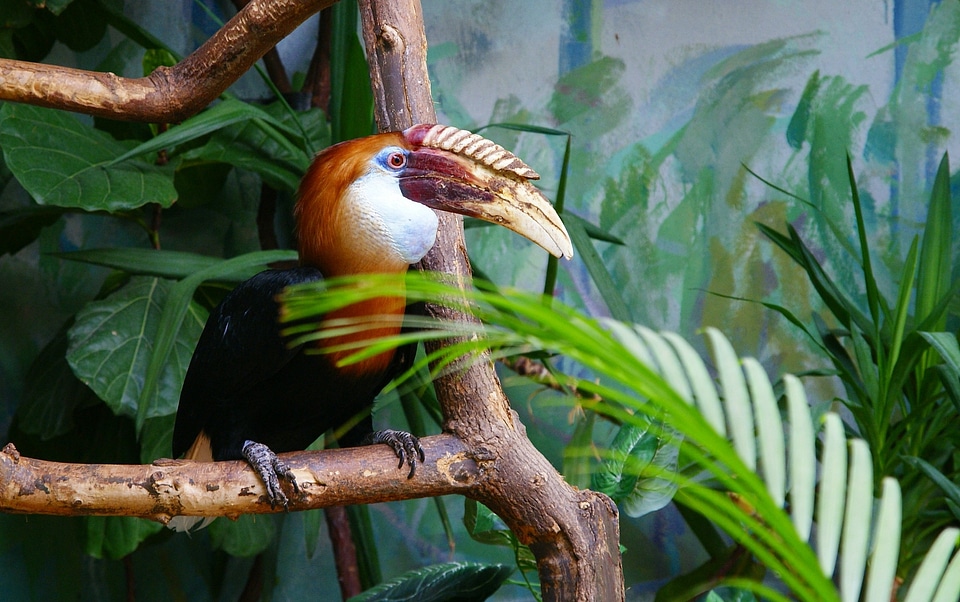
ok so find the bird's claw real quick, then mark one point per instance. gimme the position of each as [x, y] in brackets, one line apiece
[270, 469]
[405, 445]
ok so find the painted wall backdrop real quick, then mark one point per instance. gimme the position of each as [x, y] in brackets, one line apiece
[667, 104]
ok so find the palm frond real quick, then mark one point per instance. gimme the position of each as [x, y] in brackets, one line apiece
[749, 460]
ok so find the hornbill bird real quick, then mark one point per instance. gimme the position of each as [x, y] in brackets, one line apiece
[364, 206]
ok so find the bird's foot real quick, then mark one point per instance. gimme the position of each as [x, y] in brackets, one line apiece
[270, 469]
[406, 446]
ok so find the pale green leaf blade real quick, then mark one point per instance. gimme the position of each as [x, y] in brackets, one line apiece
[598, 271]
[886, 546]
[769, 430]
[928, 576]
[856, 521]
[830, 501]
[62, 162]
[670, 368]
[736, 397]
[803, 459]
[628, 337]
[153, 262]
[949, 588]
[704, 390]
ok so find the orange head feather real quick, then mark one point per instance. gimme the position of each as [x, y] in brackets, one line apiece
[326, 236]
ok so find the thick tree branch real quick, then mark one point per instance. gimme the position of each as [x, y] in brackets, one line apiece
[169, 94]
[166, 488]
[574, 534]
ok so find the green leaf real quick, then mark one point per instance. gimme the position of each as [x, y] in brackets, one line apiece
[157, 57]
[165, 264]
[112, 341]
[873, 295]
[156, 438]
[117, 536]
[949, 488]
[485, 526]
[351, 98]
[62, 162]
[578, 453]
[883, 562]
[219, 116]
[20, 227]
[468, 582]
[80, 26]
[178, 304]
[52, 392]
[637, 458]
[247, 536]
[933, 278]
[248, 145]
[598, 271]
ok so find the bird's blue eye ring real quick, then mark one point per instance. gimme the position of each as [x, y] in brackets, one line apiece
[396, 160]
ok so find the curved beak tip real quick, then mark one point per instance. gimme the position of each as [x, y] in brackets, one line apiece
[480, 178]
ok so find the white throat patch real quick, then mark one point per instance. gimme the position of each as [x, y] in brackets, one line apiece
[388, 220]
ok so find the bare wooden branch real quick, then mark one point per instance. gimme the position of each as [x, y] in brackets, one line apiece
[574, 534]
[169, 94]
[167, 488]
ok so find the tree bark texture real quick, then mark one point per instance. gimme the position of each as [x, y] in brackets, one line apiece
[484, 453]
[169, 94]
[166, 488]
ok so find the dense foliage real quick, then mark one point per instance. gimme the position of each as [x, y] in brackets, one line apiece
[118, 238]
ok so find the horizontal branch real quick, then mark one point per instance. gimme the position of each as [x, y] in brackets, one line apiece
[169, 94]
[168, 488]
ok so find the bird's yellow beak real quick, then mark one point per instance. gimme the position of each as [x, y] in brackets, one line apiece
[453, 170]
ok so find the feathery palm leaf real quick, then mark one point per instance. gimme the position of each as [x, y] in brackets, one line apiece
[748, 462]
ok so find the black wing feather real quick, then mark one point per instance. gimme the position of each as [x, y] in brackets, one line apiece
[240, 348]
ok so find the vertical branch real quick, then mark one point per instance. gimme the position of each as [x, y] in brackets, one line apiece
[574, 534]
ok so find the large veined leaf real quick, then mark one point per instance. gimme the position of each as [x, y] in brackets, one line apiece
[630, 474]
[112, 340]
[468, 582]
[62, 162]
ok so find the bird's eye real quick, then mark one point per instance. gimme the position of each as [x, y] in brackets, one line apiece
[396, 160]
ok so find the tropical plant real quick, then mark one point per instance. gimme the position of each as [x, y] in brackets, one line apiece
[739, 462]
[899, 365]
